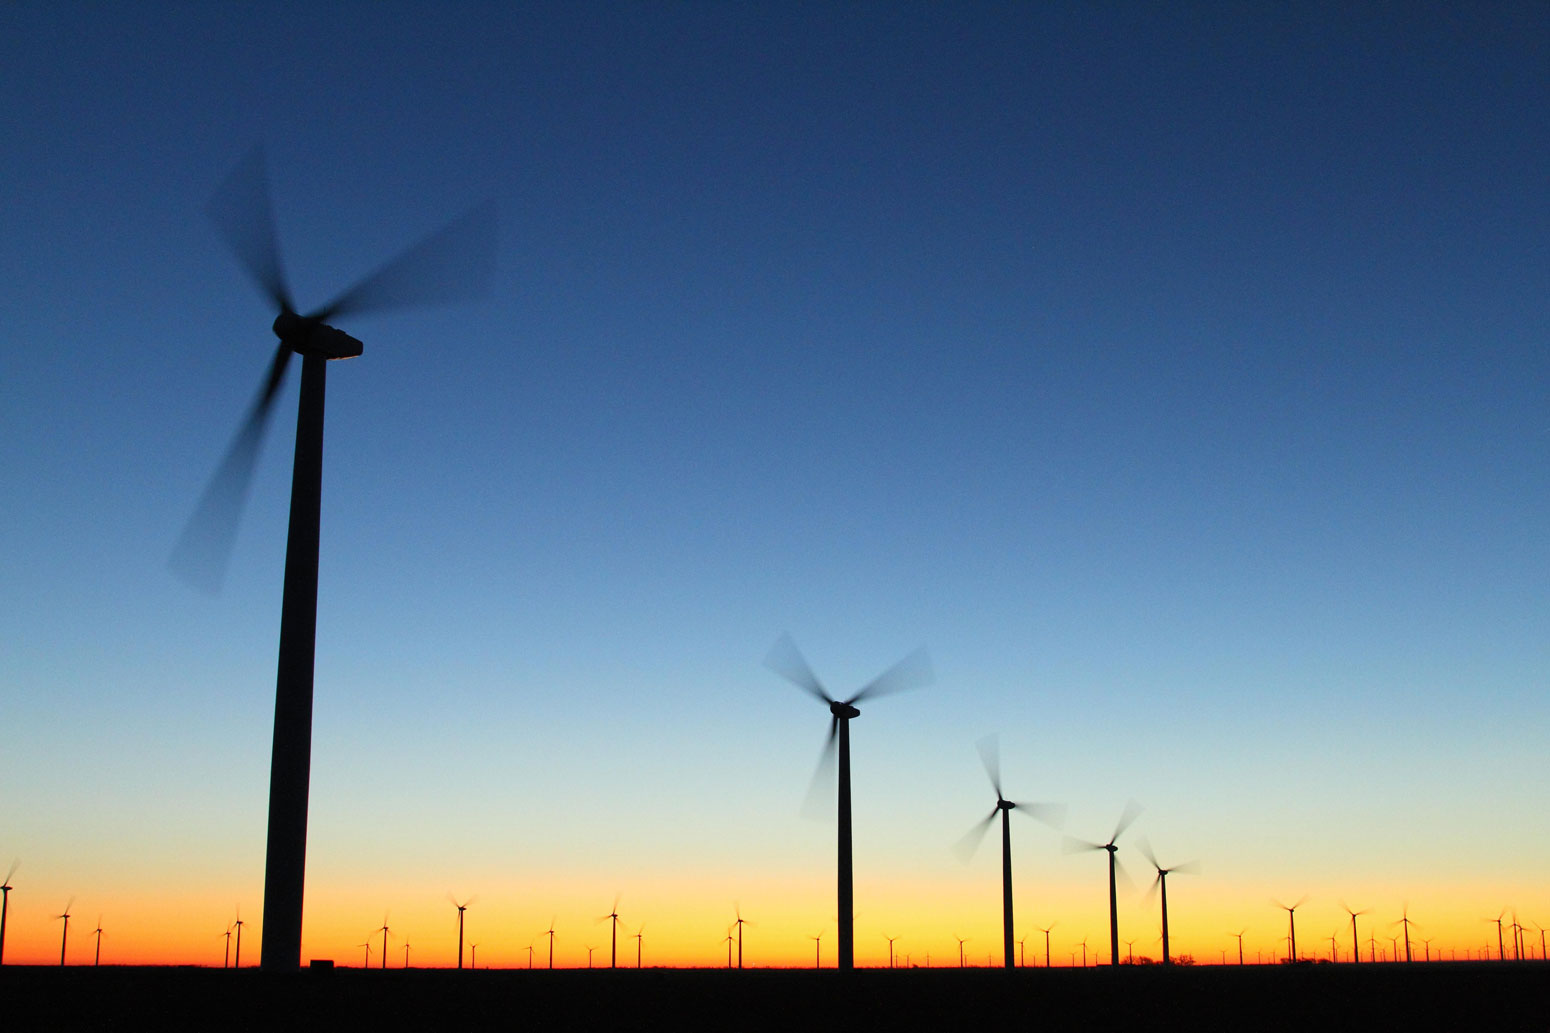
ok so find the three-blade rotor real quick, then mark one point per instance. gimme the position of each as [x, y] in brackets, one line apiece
[454, 263]
[1187, 868]
[1051, 814]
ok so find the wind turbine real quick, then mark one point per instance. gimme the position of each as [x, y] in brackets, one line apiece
[1356, 949]
[1501, 950]
[1020, 959]
[1045, 930]
[891, 940]
[729, 948]
[1291, 914]
[1161, 882]
[1405, 921]
[1050, 814]
[638, 934]
[460, 909]
[1131, 812]
[406, 954]
[613, 950]
[741, 921]
[817, 949]
[911, 672]
[237, 925]
[961, 941]
[5, 905]
[451, 264]
[1239, 935]
[367, 963]
[226, 962]
[97, 932]
[550, 934]
[473, 956]
[384, 940]
[65, 934]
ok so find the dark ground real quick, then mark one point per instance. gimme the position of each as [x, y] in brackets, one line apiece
[1442, 996]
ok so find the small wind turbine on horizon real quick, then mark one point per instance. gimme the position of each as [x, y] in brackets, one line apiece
[65, 934]
[1161, 882]
[550, 933]
[1239, 935]
[912, 672]
[638, 934]
[1356, 948]
[454, 263]
[738, 925]
[1073, 845]
[1050, 814]
[1291, 915]
[613, 950]
[96, 961]
[1045, 930]
[5, 905]
[460, 909]
[237, 925]
[961, 941]
[817, 949]
[1407, 923]
[384, 940]
[891, 940]
[226, 961]
[367, 963]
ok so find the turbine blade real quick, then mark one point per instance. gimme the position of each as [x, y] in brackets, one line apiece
[17, 863]
[1146, 851]
[1187, 868]
[1131, 813]
[967, 846]
[1151, 891]
[203, 550]
[1051, 814]
[241, 210]
[913, 672]
[814, 805]
[786, 660]
[1122, 877]
[990, 756]
[1072, 845]
[455, 263]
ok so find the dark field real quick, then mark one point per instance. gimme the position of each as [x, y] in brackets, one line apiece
[1441, 996]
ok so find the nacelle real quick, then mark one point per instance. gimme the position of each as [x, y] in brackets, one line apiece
[309, 336]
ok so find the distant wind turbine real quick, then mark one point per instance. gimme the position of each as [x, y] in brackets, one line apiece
[1161, 882]
[1291, 915]
[639, 933]
[891, 940]
[384, 940]
[460, 909]
[550, 934]
[911, 672]
[741, 921]
[817, 949]
[1239, 935]
[97, 932]
[613, 950]
[226, 963]
[1131, 812]
[367, 963]
[237, 925]
[1501, 949]
[473, 955]
[1051, 814]
[1356, 950]
[65, 934]
[1405, 921]
[961, 941]
[5, 905]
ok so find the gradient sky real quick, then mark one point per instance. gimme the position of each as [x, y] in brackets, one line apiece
[1175, 373]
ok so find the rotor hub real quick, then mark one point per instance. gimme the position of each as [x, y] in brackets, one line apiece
[843, 710]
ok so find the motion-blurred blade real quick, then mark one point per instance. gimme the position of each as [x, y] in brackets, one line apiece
[1145, 847]
[1072, 845]
[966, 847]
[786, 660]
[1051, 814]
[204, 548]
[1131, 813]
[818, 788]
[990, 755]
[242, 211]
[1151, 891]
[1122, 877]
[913, 672]
[14, 865]
[455, 263]
[1187, 868]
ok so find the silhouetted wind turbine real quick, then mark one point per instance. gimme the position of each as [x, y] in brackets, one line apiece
[1051, 814]
[1239, 935]
[590, 949]
[451, 264]
[367, 963]
[817, 949]
[891, 940]
[530, 956]
[384, 940]
[638, 934]
[729, 948]
[1356, 950]
[5, 905]
[1161, 882]
[741, 921]
[1291, 915]
[1131, 812]
[65, 933]
[961, 941]
[237, 925]
[1045, 931]
[1405, 921]
[550, 934]
[97, 955]
[613, 951]
[473, 955]
[226, 962]
[1501, 949]
[911, 672]
[460, 909]
[406, 954]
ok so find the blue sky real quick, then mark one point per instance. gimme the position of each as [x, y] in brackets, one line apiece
[1177, 376]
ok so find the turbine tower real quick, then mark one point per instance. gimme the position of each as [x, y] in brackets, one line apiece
[65, 933]
[5, 906]
[384, 940]
[911, 672]
[1051, 814]
[460, 909]
[452, 264]
[1131, 812]
[1161, 883]
[97, 955]
[613, 949]
[237, 925]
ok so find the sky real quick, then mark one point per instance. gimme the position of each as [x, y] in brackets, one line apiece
[1175, 374]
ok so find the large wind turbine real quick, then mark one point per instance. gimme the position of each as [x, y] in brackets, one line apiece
[451, 264]
[613, 948]
[1161, 882]
[460, 909]
[1051, 814]
[911, 672]
[65, 933]
[1131, 812]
